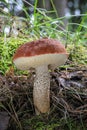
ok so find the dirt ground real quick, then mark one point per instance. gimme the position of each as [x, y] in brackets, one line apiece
[68, 95]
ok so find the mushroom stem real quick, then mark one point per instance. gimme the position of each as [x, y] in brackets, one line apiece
[41, 91]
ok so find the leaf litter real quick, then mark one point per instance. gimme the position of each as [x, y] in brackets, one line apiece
[68, 96]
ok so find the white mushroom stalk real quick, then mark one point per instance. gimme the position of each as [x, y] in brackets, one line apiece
[41, 91]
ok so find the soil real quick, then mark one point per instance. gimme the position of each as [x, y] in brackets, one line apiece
[68, 95]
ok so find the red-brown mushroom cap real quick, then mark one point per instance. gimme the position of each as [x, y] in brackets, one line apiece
[36, 53]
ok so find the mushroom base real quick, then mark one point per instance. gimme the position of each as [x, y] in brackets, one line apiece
[41, 91]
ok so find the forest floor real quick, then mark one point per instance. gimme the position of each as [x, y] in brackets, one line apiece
[68, 101]
[68, 84]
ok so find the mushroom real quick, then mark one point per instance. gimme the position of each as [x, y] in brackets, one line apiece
[40, 54]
